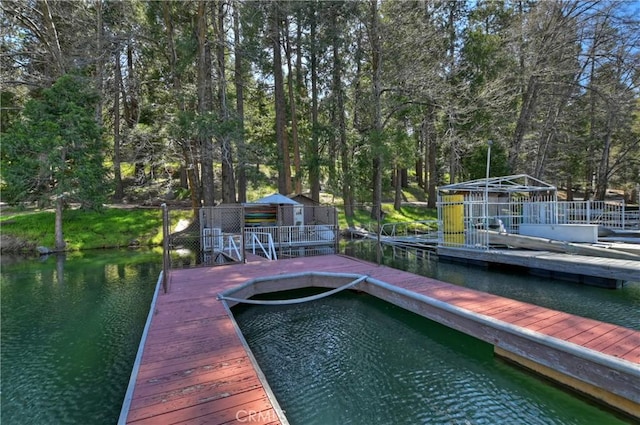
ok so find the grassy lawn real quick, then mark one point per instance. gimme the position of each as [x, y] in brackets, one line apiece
[122, 227]
[111, 228]
[362, 217]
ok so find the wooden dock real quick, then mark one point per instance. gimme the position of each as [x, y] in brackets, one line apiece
[195, 368]
[598, 271]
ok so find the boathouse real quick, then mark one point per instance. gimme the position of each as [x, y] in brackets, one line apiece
[273, 226]
[473, 214]
[518, 221]
[469, 209]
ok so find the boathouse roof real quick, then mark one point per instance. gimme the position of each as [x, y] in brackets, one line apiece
[504, 184]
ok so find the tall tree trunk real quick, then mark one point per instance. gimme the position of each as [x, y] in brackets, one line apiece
[340, 123]
[529, 99]
[431, 144]
[376, 71]
[130, 112]
[239, 85]
[300, 92]
[192, 178]
[603, 169]
[419, 163]
[548, 133]
[452, 115]
[52, 39]
[314, 150]
[284, 161]
[226, 150]
[185, 144]
[297, 178]
[99, 61]
[117, 171]
[130, 92]
[397, 199]
[453, 146]
[590, 154]
[404, 178]
[204, 105]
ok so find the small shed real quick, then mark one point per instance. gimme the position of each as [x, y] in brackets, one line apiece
[268, 211]
[502, 203]
[304, 199]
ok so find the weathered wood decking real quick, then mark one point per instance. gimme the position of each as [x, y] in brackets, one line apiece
[194, 368]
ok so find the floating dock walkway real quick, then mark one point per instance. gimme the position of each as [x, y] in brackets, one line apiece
[596, 271]
[193, 365]
[605, 264]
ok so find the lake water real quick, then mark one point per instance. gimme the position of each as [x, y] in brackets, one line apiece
[70, 330]
[354, 359]
[70, 333]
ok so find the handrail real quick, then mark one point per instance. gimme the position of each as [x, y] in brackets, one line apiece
[403, 227]
[272, 247]
[270, 253]
[232, 246]
[295, 300]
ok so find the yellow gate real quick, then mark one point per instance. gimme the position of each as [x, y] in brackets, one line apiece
[453, 219]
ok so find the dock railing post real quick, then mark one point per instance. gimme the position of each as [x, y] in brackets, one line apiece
[243, 232]
[166, 260]
[378, 239]
[336, 230]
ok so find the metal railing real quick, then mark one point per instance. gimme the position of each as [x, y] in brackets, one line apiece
[418, 228]
[255, 238]
[604, 213]
[287, 236]
[463, 222]
[213, 240]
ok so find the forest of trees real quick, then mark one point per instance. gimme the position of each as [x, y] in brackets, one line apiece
[350, 97]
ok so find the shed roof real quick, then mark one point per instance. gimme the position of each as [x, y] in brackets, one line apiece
[276, 198]
[302, 198]
[505, 184]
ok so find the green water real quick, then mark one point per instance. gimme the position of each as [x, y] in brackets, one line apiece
[70, 329]
[354, 359]
[70, 333]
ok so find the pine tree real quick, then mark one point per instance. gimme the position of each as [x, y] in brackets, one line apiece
[54, 154]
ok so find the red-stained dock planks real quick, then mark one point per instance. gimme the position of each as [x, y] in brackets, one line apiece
[194, 368]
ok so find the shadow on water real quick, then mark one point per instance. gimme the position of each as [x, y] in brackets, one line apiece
[71, 326]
